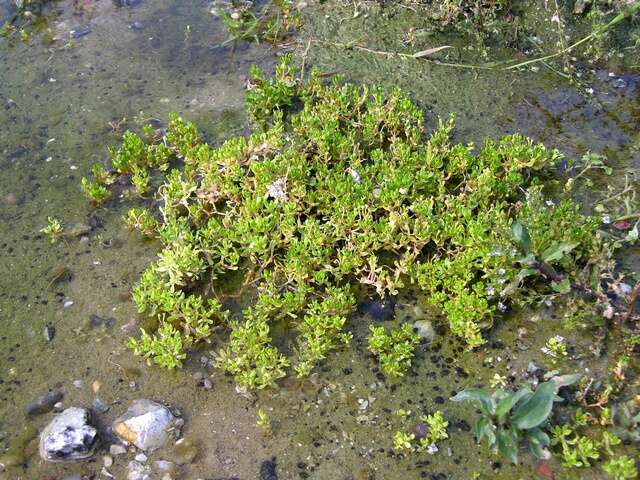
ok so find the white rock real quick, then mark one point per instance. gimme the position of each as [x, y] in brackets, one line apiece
[69, 437]
[147, 425]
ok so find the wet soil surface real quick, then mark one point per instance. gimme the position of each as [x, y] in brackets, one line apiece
[65, 309]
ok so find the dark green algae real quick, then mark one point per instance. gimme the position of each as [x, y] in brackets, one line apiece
[320, 429]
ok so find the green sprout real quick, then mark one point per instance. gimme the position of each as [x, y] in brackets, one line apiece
[96, 192]
[53, 229]
[263, 420]
[402, 442]
[437, 430]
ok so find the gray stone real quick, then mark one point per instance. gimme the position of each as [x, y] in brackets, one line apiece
[45, 403]
[69, 437]
[184, 452]
[138, 471]
[80, 31]
[147, 425]
[100, 406]
[117, 449]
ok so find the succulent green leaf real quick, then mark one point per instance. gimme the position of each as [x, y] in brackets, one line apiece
[536, 409]
[508, 444]
[566, 380]
[510, 401]
[484, 428]
[557, 251]
[520, 235]
[487, 403]
[538, 442]
[561, 287]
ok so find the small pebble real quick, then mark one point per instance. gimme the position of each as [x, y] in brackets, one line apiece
[141, 457]
[107, 460]
[80, 31]
[164, 465]
[117, 449]
[77, 383]
[67, 303]
[100, 406]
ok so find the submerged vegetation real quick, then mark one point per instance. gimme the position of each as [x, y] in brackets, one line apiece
[342, 191]
[271, 21]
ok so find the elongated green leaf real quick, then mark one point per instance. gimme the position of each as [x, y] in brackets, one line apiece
[508, 444]
[566, 380]
[557, 251]
[539, 436]
[484, 428]
[561, 287]
[486, 401]
[520, 235]
[538, 443]
[536, 409]
[509, 402]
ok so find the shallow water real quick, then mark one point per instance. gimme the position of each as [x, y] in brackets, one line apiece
[62, 107]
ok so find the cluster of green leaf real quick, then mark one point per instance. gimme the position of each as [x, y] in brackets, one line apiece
[164, 346]
[342, 188]
[134, 158]
[583, 450]
[53, 229]
[250, 356]
[394, 349]
[436, 431]
[508, 419]
[269, 21]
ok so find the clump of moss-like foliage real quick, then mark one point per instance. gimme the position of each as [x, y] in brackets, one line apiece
[343, 188]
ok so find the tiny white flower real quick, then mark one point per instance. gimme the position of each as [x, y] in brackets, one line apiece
[550, 203]
[278, 190]
[432, 449]
[606, 219]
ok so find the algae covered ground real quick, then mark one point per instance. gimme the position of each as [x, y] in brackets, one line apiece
[67, 311]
